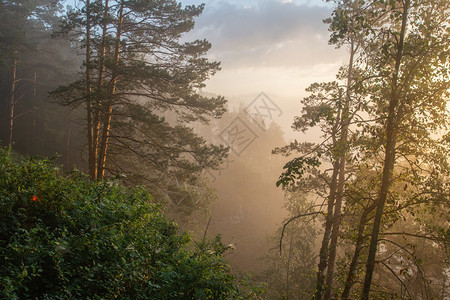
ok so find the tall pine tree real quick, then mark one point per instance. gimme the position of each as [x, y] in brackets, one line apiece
[141, 89]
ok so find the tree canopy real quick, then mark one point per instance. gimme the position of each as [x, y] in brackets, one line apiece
[384, 149]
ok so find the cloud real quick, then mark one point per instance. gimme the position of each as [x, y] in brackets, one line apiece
[271, 33]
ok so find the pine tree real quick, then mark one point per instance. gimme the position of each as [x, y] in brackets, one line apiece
[141, 89]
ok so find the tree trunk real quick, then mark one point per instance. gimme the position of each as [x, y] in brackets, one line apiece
[109, 108]
[92, 141]
[323, 255]
[100, 94]
[389, 160]
[12, 100]
[67, 141]
[32, 133]
[342, 150]
[33, 143]
[358, 246]
[102, 52]
[288, 268]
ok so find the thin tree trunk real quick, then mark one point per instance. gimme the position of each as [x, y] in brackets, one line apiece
[92, 141]
[100, 94]
[288, 268]
[12, 100]
[102, 52]
[33, 149]
[31, 141]
[112, 90]
[323, 255]
[342, 150]
[324, 249]
[389, 160]
[358, 246]
[67, 142]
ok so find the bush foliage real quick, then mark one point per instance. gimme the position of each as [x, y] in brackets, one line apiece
[63, 236]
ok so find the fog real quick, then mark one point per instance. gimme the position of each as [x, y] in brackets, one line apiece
[319, 155]
[249, 207]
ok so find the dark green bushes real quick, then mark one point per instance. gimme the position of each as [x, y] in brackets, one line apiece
[65, 237]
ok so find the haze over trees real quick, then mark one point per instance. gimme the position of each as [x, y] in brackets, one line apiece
[33, 63]
[113, 88]
[248, 206]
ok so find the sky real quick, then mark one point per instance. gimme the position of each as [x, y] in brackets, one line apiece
[278, 47]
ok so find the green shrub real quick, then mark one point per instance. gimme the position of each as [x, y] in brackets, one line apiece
[66, 237]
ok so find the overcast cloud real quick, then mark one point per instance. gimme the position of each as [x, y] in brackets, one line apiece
[278, 47]
[269, 33]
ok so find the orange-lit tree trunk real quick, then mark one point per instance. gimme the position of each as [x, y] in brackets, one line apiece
[100, 94]
[110, 101]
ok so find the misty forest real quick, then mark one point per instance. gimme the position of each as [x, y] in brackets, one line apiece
[122, 176]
